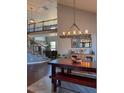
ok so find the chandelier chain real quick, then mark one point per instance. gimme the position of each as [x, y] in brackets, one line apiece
[74, 11]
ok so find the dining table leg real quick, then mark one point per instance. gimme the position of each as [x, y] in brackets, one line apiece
[53, 72]
[54, 81]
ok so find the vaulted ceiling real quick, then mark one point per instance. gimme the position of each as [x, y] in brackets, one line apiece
[47, 9]
[87, 5]
[42, 9]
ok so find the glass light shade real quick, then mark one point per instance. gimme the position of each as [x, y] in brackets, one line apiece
[74, 32]
[63, 33]
[86, 31]
[69, 33]
[32, 21]
[80, 32]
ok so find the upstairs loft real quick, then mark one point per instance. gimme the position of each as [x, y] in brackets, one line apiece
[47, 26]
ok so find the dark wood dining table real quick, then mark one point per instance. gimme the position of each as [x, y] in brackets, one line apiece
[66, 64]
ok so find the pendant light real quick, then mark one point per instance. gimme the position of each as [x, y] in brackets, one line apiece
[31, 18]
[74, 30]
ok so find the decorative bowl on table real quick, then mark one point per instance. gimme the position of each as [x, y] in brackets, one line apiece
[75, 59]
[78, 60]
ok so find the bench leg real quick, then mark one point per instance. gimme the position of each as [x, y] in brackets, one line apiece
[62, 70]
[68, 71]
[54, 86]
[59, 82]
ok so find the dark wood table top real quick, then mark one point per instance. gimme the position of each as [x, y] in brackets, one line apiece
[68, 63]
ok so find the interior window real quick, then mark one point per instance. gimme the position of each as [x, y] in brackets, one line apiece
[53, 45]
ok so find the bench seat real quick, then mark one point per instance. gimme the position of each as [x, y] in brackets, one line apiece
[86, 81]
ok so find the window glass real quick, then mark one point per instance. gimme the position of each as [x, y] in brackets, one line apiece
[53, 45]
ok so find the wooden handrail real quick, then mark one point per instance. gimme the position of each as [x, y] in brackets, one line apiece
[43, 25]
[47, 20]
[43, 21]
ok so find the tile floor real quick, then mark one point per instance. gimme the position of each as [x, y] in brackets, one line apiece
[44, 86]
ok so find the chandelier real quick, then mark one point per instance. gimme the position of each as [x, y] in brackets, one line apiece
[31, 19]
[74, 30]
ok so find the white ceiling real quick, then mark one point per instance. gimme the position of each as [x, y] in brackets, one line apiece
[47, 9]
[87, 5]
[42, 9]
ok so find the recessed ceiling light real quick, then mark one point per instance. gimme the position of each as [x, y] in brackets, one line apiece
[45, 8]
[51, 1]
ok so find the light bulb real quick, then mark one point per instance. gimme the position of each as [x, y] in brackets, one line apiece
[86, 31]
[80, 32]
[68, 33]
[63, 33]
[74, 32]
[32, 21]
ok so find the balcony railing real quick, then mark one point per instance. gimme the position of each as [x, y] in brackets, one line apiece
[48, 25]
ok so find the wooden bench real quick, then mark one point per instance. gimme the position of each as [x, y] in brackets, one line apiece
[67, 67]
[86, 81]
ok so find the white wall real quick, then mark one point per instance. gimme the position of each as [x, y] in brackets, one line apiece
[85, 20]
